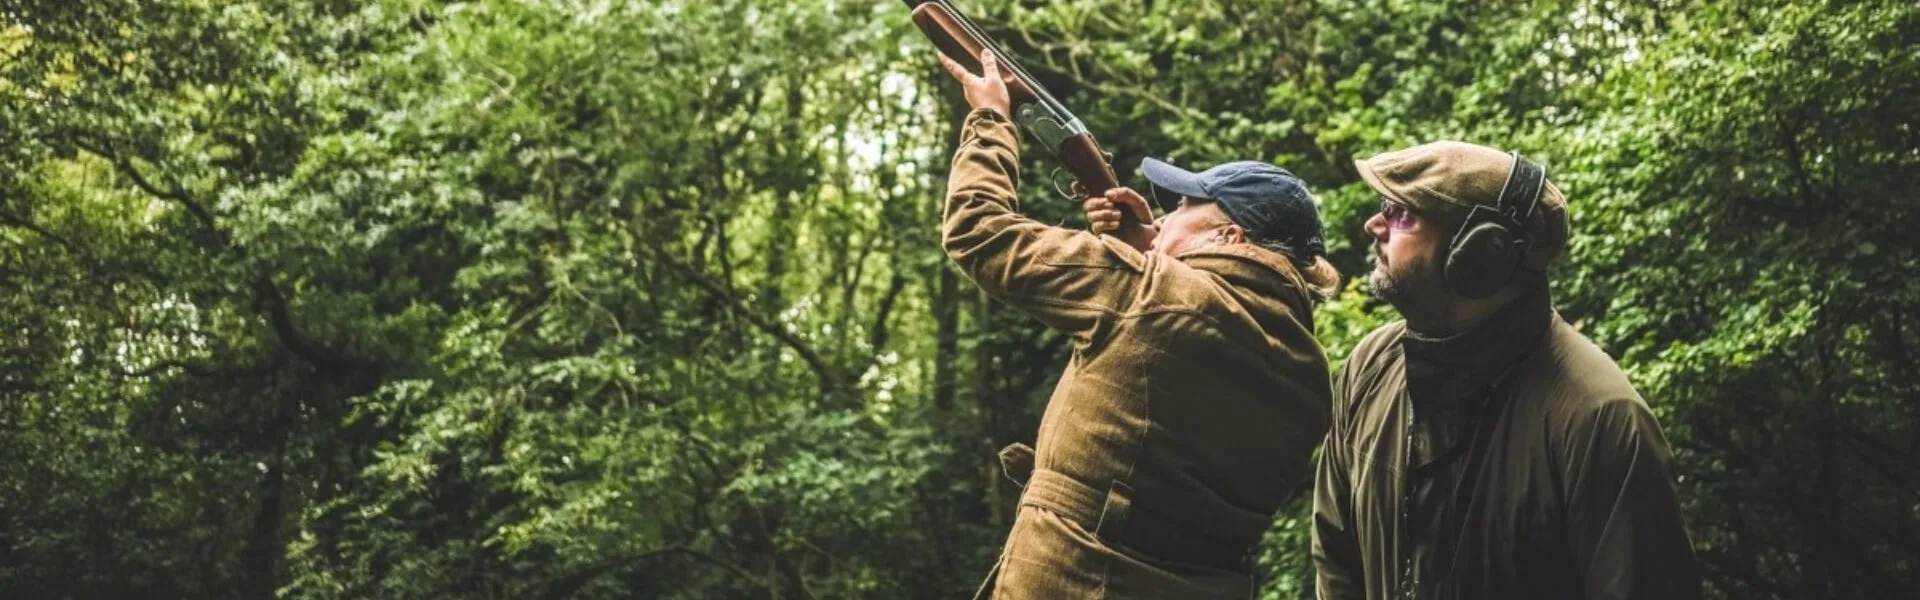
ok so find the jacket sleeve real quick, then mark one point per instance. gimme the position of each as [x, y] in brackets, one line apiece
[1068, 279]
[1336, 550]
[1623, 508]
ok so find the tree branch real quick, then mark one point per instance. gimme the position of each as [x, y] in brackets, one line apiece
[23, 223]
[1135, 91]
[280, 317]
[830, 379]
[125, 166]
[1071, 72]
[878, 338]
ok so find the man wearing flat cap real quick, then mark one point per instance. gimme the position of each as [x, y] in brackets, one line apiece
[1196, 391]
[1482, 447]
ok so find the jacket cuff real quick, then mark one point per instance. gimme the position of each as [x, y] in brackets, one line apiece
[989, 127]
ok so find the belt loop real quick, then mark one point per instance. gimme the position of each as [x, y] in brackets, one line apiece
[1113, 513]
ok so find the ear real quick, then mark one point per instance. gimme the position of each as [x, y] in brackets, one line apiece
[1232, 233]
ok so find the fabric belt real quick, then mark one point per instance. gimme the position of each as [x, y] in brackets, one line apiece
[1111, 516]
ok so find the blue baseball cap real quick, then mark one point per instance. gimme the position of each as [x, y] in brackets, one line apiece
[1271, 204]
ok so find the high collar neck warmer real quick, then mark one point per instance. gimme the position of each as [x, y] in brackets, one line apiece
[1443, 370]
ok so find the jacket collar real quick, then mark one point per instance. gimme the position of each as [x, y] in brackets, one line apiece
[1442, 371]
[1252, 268]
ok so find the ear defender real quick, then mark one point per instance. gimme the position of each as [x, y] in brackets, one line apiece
[1486, 252]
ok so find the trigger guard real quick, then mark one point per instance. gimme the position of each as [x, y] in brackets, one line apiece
[1054, 179]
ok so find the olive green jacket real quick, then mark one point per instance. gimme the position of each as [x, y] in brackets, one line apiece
[1513, 461]
[1186, 416]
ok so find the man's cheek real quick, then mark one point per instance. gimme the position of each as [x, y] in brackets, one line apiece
[1427, 267]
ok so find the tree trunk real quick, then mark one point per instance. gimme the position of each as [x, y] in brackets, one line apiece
[946, 313]
[985, 401]
[264, 548]
[946, 302]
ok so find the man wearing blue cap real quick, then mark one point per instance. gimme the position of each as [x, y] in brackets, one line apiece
[1237, 202]
[1196, 391]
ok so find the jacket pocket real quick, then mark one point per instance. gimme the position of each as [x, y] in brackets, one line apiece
[1016, 461]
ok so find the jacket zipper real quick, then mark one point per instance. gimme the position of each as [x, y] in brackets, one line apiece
[1408, 584]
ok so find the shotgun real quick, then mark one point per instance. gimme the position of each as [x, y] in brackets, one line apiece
[1035, 110]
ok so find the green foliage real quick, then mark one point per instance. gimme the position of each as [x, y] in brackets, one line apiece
[551, 298]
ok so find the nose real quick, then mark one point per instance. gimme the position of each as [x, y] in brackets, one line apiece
[1377, 227]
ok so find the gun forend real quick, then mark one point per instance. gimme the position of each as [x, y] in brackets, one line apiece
[1034, 108]
[949, 33]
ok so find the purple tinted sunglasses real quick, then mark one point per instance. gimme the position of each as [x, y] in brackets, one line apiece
[1399, 216]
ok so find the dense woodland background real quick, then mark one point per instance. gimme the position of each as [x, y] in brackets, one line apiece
[614, 299]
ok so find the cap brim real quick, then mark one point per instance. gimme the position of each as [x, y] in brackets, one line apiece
[1373, 181]
[1173, 179]
[1369, 172]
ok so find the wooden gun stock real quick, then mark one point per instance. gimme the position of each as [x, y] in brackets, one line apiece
[1088, 164]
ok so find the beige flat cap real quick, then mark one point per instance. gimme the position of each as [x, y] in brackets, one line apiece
[1452, 177]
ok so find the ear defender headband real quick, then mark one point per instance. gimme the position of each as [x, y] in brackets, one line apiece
[1487, 250]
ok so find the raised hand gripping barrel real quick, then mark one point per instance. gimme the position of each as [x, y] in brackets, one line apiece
[1034, 109]
[943, 28]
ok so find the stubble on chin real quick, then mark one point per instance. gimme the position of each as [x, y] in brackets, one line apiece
[1413, 286]
[1386, 287]
[1381, 280]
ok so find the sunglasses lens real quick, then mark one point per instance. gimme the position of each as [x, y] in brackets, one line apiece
[1396, 214]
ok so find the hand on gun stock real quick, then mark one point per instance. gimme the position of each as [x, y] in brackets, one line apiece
[1109, 213]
